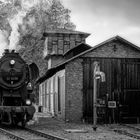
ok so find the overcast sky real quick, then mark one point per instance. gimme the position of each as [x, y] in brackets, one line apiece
[106, 18]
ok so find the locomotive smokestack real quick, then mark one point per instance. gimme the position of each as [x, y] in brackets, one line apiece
[9, 51]
[6, 51]
[13, 51]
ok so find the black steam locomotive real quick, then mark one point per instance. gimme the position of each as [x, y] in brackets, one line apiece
[15, 90]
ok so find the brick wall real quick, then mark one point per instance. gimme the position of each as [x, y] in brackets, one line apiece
[74, 93]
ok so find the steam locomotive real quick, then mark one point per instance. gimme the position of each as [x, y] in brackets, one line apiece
[15, 89]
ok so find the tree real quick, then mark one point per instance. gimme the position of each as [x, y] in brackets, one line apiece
[7, 10]
[45, 15]
[59, 16]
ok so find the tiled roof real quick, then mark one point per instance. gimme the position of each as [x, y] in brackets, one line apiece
[83, 45]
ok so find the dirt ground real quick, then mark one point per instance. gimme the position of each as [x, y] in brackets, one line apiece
[2, 137]
[74, 131]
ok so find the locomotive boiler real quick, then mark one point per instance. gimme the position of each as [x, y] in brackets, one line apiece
[15, 90]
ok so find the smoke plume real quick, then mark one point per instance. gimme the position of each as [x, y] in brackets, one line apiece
[17, 20]
[3, 41]
[15, 35]
[11, 40]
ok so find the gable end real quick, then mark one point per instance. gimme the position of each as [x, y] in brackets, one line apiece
[115, 49]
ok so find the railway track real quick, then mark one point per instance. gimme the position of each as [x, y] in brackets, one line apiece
[27, 134]
[128, 130]
[131, 126]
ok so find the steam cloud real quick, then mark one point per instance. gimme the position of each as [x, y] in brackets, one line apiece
[11, 42]
[3, 41]
[14, 23]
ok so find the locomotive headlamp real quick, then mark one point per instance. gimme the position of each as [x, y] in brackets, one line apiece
[29, 85]
[12, 62]
[28, 102]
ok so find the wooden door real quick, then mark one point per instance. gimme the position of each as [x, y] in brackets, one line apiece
[87, 90]
[130, 95]
[102, 88]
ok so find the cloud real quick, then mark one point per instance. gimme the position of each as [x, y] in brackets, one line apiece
[127, 9]
[106, 18]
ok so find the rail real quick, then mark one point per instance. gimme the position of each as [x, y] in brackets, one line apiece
[125, 132]
[31, 131]
[51, 137]
[11, 135]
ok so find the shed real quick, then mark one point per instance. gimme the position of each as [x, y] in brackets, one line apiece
[119, 59]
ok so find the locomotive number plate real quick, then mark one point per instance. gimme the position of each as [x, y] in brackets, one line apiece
[18, 109]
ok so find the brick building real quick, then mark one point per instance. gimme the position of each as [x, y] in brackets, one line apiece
[57, 45]
[69, 84]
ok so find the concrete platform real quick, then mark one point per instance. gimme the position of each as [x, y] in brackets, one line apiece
[43, 115]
